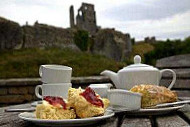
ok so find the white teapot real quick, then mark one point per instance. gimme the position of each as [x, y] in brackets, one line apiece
[136, 74]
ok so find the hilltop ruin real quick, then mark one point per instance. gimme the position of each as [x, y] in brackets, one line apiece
[108, 42]
[85, 19]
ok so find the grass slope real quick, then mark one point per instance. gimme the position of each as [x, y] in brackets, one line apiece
[141, 49]
[25, 63]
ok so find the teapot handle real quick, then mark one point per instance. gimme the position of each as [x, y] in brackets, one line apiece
[174, 77]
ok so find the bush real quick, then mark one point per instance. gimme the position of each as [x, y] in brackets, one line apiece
[81, 39]
[166, 49]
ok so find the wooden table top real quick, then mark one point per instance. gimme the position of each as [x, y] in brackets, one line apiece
[180, 118]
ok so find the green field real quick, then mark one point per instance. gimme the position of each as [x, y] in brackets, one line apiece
[25, 62]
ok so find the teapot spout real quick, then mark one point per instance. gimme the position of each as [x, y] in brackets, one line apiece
[112, 75]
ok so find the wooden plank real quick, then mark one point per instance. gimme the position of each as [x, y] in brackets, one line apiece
[180, 83]
[136, 122]
[183, 93]
[185, 112]
[27, 105]
[184, 98]
[180, 73]
[19, 123]
[178, 61]
[37, 81]
[171, 121]
[112, 122]
[11, 119]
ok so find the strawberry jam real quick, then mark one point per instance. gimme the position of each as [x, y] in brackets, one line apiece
[55, 101]
[91, 97]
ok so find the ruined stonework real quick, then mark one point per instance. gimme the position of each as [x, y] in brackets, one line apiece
[72, 19]
[86, 18]
[41, 35]
[13, 36]
[150, 39]
[10, 34]
[112, 44]
[108, 42]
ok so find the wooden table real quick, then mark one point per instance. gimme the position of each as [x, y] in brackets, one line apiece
[180, 118]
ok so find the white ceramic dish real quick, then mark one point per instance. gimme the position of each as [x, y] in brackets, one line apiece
[136, 74]
[124, 100]
[35, 103]
[102, 90]
[53, 89]
[30, 117]
[55, 73]
[155, 111]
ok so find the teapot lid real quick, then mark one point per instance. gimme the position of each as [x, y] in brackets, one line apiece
[138, 65]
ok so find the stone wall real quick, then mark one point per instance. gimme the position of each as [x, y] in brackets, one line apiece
[15, 91]
[17, 94]
[151, 40]
[86, 18]
[13, 36]
[10, 34]
[112, 44]
[41, 35]
[108, 42]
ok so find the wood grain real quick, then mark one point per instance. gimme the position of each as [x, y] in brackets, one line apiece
[11, 119]
[171, 121]
[179, 84]
[136, 122]
[185, 112]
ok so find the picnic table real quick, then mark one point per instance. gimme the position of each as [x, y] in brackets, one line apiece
[179, 118]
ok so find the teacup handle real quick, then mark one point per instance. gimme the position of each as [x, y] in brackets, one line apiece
[37, 90]
[40, 71]
[174, 77]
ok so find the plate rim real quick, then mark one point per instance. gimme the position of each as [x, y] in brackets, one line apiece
[162, 108]
[66, 121]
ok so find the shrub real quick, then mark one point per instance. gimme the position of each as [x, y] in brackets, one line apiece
[167, 48]
[81, 39]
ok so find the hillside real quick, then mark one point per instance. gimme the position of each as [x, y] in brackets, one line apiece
[140, 49]
[25, 62]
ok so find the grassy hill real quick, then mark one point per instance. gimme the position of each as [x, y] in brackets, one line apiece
[140, 49]
[25, 62]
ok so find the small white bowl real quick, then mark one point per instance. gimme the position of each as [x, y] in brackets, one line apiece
[102, 90]
[124, 99]
[109, 85]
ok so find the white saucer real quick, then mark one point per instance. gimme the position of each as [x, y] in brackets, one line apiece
[30, 116]
[155, 111]
[35, 103]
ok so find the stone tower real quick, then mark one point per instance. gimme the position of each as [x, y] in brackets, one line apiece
[72, 20]
[86, 18]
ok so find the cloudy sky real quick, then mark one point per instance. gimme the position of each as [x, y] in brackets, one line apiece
[141, 18]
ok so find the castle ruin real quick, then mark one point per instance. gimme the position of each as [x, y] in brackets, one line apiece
[107, 42]
[85, 19]
[150, 40]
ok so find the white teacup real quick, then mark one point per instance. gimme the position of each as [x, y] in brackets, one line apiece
[55, 73]
[56, 89]
[101, 89]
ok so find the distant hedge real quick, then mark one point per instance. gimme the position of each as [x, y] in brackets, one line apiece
[167, 48]
[81, 39]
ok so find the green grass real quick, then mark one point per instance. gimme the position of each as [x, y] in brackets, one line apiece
[140, 49]
[25, 62]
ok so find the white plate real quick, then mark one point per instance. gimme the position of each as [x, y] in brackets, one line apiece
[30, 116]
[35, 103]
[155, 111]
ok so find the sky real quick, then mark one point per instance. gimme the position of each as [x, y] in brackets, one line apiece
[141, 18]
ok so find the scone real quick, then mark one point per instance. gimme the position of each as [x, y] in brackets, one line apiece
[153, 94]
[86, 102]
[54, 108]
